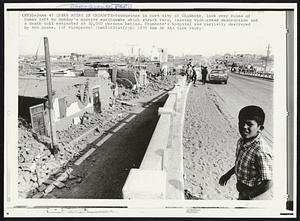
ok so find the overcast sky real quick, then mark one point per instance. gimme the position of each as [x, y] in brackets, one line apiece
[208, 41]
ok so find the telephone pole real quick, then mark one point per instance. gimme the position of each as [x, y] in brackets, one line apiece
[54, 146]
[267, 58]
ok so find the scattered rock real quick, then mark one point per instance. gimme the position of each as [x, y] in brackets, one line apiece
[42, 187]
[59, 184]
[38, 195]
[72, 177]
[49, 181]
[63, 177]
[78, 180]
[49, 189]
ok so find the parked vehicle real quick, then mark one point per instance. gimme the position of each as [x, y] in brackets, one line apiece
[217, 75]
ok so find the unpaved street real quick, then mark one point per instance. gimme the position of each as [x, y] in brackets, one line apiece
[210, 132]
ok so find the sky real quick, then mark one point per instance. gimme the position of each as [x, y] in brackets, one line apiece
[208, 41]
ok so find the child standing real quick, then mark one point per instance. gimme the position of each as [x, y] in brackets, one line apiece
[254, 159]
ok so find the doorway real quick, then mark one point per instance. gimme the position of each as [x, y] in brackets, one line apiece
[96, 100]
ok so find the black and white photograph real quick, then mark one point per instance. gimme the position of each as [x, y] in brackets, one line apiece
[112, 109]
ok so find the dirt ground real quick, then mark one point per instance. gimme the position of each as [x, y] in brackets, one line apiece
[209, 143]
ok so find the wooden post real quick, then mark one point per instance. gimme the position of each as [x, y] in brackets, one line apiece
[54, 149]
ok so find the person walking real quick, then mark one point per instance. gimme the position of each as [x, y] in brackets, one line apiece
[194, 75]
[189, 73]
[204, 74]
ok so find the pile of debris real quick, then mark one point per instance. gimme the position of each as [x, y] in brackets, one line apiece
[35, 162]
[154, 86]
[37, 166]
[161, 83]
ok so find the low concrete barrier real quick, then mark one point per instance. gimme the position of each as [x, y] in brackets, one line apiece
[258, 75]
[150, 181]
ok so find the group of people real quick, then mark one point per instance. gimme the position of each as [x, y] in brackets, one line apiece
[191, 74]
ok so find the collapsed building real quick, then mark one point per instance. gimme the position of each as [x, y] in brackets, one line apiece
[72, 97]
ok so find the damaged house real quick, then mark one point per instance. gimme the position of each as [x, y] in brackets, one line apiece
[72, 97]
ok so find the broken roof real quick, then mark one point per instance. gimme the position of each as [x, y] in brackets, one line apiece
[37, 86]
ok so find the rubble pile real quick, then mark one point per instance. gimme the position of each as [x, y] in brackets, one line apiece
[35, 162]
[153, 87]
[37, 167]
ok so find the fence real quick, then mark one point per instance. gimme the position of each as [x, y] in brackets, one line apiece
[259, 74]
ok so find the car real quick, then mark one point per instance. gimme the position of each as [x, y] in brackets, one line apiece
[217, 75]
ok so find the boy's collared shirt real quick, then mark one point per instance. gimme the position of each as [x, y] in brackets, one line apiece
[254, 161]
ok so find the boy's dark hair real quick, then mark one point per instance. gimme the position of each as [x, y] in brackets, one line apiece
[252, 113]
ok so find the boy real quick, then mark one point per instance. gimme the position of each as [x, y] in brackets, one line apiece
[254, 160]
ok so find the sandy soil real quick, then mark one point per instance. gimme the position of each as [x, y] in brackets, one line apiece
[209, 142]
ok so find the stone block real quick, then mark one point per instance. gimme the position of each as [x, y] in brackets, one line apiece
[42, 187]
[59, 184]
[145, 184]
[164, 110]
[38, 195]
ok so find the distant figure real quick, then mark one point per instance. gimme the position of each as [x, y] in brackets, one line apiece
[254, 159]
[189, 72]
[164, 70]
[194, 75]
[204, 74]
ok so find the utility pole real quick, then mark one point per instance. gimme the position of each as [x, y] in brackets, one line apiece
[267, 58]
[54, 145]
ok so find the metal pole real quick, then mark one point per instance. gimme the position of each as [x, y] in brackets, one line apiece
[54, 144]
[267, 58]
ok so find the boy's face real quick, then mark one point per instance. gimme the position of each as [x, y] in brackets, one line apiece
[249, 129]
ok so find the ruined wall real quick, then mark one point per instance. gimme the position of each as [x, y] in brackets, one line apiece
[105, 91]
[67, 121]
[56, 109]
[78, 94]
[76, 108]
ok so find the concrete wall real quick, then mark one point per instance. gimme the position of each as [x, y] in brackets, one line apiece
[74, 109]
[163, 159]
[65, 122]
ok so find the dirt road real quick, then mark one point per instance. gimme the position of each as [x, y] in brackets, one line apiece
[210, 132]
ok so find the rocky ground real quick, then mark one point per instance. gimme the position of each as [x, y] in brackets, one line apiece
[209, 142]
[37, 167]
